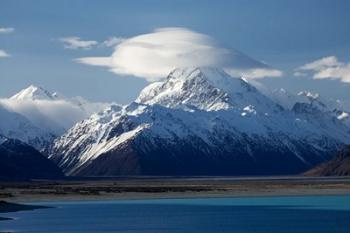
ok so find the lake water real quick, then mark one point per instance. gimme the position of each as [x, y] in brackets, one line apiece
[312, 214]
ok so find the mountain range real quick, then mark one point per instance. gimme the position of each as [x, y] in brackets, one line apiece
[202, 121]
[196, 121]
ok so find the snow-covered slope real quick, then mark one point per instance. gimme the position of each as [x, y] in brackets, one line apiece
[50, 111]
[34, 93]
[199, 121]
[205, 89]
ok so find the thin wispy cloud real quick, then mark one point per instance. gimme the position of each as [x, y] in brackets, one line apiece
[152, 56]
[75, 42]
[96, 61]
[113, 41]
[4, 54]
[326, 68]
[6, 30]
[322, 63]
[255, 73]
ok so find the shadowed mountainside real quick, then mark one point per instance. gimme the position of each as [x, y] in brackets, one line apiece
[21, 161]
[338, 166]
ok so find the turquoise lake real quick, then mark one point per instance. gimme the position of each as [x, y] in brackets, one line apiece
[313, 214]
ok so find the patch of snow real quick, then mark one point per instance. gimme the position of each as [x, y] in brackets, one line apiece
[343, 115]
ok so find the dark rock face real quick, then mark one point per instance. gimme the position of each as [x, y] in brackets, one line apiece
[21, 161]
[305, 108]
[338, 166]
[123, 162]
[192, 157]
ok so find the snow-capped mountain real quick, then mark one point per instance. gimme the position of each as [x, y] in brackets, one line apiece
[50, 111]
[43, 115]
[199, 121]
[205, 89]
[34, 93]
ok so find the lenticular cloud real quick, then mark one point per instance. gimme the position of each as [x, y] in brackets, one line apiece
[152, 56]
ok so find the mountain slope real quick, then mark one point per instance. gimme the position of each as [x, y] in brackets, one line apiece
[338, 166]
[199, 121]
[34, 93]
[21, 161]
[14, 125]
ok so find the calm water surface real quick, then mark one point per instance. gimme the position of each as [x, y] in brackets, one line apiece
[312, 214]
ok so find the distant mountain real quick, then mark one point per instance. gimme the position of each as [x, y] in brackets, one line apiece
[200, 121]
[21, 161]
[338, 166]
[335, 108]
[50, 113]
[34, 93]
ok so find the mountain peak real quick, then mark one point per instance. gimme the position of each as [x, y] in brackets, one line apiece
[216, 76]
[195, 70]
[33, 93]
[189, 87]
[205, 88]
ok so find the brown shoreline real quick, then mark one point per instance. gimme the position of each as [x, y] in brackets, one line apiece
[170, 187]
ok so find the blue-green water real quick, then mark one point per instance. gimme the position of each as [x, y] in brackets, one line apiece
[312, 214]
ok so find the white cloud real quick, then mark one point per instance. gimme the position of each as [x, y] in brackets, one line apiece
[6, 30]
[75, 42]
[152, 56]
[113, 41]
[322, 63]
[339, 72]
[55, 115]
[3, 54]
[327, 68]
[96, 61]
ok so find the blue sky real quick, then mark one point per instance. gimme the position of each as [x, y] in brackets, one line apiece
[283, 34]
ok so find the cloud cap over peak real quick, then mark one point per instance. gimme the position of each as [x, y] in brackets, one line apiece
[153, 55]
